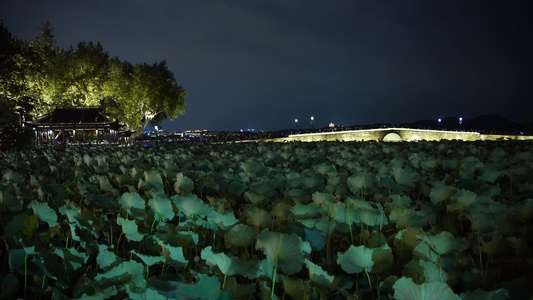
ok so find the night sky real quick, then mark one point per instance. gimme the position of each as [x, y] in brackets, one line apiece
[261, 64]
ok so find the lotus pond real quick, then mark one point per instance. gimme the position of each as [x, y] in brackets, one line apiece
[323, 220]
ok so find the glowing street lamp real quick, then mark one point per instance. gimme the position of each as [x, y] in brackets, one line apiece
[460, 121]
[296, 122]
[312, 121]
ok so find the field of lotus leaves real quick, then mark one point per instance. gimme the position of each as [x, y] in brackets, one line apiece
[321, 220]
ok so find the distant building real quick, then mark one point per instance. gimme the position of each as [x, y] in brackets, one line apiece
[76, 124]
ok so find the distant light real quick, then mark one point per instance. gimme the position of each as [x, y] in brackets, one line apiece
[460, 119]
[331, 125]
[312, 118]
[440, 120]
[156, 128]
[295, 120]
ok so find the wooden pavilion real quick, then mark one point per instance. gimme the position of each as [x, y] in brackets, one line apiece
[76, 124]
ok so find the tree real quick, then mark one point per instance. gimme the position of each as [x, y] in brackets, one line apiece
[86, 75]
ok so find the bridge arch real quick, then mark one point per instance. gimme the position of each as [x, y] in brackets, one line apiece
[392, 137]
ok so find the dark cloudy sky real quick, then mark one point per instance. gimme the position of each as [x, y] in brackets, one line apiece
[261, 64]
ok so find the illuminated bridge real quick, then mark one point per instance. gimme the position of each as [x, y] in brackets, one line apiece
[397, 135]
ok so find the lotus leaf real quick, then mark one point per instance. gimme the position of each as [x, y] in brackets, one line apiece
[131, 201]
[294, 287]
[359, 181]
[149, 260]
[306, 211]
[223, 221]
[154, 179]
[206, 288]
[405, 178]
[356, 259]
[259, 218]
[318, 276]
[145, 294]
[74, 258]
[183, 185]
[9, 202]
[44, 212]
[284, 251]
[441, 193]
[240, 236]
[444, 242]
[132, 268]
[499, 294]
[406, 289]
[315, 238]
[230, 266]
[130, 229]
[172, 254]
[191, 206]
[254, 198]
[162, 208]
[408, 217]
[105, 257]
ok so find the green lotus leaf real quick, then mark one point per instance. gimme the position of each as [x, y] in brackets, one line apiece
[130, 201]
[444, 242]
[321, 198]
[481, 222]
[405, 178]
[499, 294]
[172, 254]
[149, 260]
[8, 201]
[441, 193]
[11, 175]
[382, 258]
[144, 294]
[284, 251]
[318, 276]
[237, 188]
[491, 175]
[306, 211]
[312, 182]
[191, 206]
[359, 181]
[162, 208]
[432, 272]
[154, 179]
[16, 258]
[294, 287]
[230, 266]
[254, 198]
[132, 268]
[257, 217]
[315, 238]
[183, 185]
[461, 199]
[356, 259]
[130, 229]
[44, 212]
[406, 289]
[207, 287]
[408, 217]
[105, 257]
[74, 259]
[240, 236]
[224, 221]
[408, 238]
[261, 188]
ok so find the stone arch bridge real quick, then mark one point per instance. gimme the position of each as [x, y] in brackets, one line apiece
[396, 135]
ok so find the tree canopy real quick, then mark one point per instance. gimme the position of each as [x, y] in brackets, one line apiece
[46, 75]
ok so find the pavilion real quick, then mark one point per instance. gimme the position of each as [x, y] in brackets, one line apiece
[76, 124]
